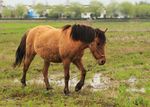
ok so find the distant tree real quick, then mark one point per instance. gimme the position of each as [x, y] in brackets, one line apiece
[142, 10]
[68, 13]
[40, 8]
[126, 9]
[56, 11]
[112, 9]
[7, 12]
[144, 2]
[20, 11]
[95, 8]
[74, 10]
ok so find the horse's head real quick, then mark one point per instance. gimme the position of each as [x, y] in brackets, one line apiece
[97, 47]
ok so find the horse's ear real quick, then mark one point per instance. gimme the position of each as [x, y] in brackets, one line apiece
[105, 30]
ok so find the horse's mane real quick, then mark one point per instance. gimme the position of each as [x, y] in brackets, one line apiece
[101, 35]
[66, 27]
[84, 33]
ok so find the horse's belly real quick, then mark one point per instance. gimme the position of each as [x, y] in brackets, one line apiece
[55, 58]
[49, 54]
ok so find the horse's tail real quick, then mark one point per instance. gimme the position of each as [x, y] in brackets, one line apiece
[21, 50]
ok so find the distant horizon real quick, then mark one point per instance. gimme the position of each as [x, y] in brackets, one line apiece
[63, 2]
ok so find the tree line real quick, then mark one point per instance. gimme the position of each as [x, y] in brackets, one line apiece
[74, 10]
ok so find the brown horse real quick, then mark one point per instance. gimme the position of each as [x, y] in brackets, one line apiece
[64, 45]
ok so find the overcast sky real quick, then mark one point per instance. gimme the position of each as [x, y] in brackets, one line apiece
[52, 2]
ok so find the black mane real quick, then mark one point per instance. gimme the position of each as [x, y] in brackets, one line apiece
[85, 33]
[101, 36]
[66, 27]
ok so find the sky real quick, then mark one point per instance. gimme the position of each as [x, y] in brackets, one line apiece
[54, 2]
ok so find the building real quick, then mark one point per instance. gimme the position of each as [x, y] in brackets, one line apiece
[86, 15]
[32, 14]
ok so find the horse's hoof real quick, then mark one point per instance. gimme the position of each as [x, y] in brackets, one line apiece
[23, 82]
[49, 88]
[78, 87]
[24, 85]
[66, 92]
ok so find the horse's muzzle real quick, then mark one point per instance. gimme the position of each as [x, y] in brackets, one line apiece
[101, 61]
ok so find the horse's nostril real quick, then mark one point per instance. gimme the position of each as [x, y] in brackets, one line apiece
[102, 61]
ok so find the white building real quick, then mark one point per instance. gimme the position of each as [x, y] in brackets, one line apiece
[103, 14]
[86, 15]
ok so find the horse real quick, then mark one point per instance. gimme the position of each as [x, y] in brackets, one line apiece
[60, 45]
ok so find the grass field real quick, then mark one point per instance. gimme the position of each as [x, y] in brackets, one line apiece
[127, 67]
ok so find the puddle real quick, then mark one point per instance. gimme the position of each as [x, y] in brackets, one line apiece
[52, 80]
[98, 82]
[141, 90]
[38, 81]
[132, 81]
[16, 80]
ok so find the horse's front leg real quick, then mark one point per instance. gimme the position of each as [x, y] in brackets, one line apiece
[66, 64]
[79, 65]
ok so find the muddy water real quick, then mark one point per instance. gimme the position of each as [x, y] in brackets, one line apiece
[132, 83]
[98, 82]
[137, 90]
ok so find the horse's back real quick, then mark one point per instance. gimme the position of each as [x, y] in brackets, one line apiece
[39, 32]
[44, 41]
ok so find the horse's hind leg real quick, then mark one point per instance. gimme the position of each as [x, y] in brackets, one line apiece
[66, 64]
[45, 74]
[79, 65]
[27, 61]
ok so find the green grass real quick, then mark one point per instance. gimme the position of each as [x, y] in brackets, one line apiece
[127, 52]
